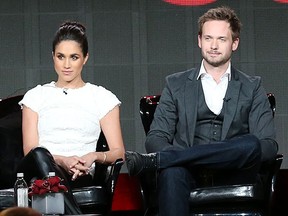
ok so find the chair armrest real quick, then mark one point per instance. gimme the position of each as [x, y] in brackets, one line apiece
[111, 181]
[272, 194]
[114, 174]
[98, 197]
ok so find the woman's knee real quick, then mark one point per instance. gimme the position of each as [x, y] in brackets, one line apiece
[39, 153]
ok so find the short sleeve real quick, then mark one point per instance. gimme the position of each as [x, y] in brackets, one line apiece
[31, 99]
[108, 101]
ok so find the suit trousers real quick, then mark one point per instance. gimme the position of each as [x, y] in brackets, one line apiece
[179, 169]
[37, 164]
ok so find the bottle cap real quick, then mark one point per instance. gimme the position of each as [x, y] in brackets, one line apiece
[51, 174]
[20, 175]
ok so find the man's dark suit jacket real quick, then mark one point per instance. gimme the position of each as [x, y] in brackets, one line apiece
[246, 110]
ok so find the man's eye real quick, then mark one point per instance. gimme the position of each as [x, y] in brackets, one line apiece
[207, 38]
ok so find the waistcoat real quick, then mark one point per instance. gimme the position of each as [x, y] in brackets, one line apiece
[208, 125]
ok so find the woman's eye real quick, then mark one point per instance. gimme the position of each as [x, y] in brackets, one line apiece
[74, 58]
[60, 57]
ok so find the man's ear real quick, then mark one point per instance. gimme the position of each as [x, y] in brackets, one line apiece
[235, 44]
[199, 41]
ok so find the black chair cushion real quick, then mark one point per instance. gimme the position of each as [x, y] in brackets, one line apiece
[11, 148]
[6, 198]
[91, 198]
[226, 194]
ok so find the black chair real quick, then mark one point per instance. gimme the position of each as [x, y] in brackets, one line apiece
[241, 199]
[96, 199]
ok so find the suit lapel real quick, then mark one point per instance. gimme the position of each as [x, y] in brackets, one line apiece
[230, 105]
[191, 104]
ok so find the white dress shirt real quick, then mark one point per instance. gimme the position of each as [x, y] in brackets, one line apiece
[214, 92]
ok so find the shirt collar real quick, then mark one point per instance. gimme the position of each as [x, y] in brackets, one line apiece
[203, 72]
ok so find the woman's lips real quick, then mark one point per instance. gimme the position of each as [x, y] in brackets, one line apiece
[67, 72]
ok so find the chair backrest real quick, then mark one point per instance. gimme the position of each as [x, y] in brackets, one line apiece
[10, 140]
[10, 105]
[272, 100]
[148, 106]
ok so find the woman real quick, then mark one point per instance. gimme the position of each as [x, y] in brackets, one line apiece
[62, 120]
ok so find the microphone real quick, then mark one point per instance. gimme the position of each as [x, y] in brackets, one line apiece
[65, 91]
[226, 99]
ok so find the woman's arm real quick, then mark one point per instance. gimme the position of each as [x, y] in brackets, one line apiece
[110, 125]
[29, 129]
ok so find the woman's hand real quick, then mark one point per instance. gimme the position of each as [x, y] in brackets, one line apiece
[73, 164]
[90, 158]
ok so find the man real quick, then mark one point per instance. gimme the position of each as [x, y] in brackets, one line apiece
[210, 117]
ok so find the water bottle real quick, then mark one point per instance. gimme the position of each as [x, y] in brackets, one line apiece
[21, 191]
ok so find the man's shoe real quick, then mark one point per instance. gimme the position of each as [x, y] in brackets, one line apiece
[138, 163]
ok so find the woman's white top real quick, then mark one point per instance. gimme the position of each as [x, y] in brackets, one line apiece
[69, 119]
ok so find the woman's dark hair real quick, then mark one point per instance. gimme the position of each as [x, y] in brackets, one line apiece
[74, 31]
[222, 13]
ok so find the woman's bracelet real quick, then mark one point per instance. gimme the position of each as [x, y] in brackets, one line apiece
[104, 157]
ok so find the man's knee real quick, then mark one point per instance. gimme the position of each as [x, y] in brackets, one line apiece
[253, 144]
[249, 143]
[251, 149]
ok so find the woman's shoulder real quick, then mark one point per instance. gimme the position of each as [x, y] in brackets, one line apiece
[38, 89]
[100, 93]
[98, 89]
[34, 96]
[94, 86]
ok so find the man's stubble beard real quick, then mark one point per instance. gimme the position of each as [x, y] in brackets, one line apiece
[217, 63]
